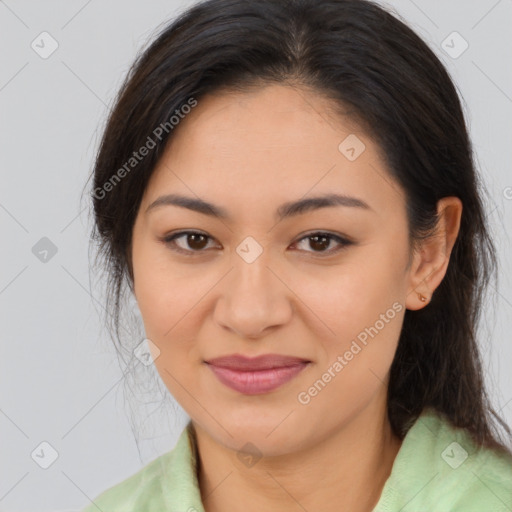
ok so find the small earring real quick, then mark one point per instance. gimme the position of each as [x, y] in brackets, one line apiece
[422, 298]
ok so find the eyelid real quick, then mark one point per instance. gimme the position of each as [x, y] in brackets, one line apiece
[342, 240]
[169, 240]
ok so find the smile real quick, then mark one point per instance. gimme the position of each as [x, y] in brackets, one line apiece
[252, 382]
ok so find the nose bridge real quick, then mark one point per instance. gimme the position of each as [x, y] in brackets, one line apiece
[252, 282]
[253, 298]
[251, 272]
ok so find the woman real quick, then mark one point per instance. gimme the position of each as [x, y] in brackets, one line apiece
[288, 191]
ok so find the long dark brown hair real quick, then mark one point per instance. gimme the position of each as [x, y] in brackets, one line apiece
[373, 67]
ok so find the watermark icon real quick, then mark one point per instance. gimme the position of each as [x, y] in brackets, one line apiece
[454, 455]
[249, 454]
[144, 150]
[44, 250]
[44, 45]
[44, 455]
[351, 147]
[146, 352]
[342, 360]
[454, 45]
[507, 193]
[249, 249]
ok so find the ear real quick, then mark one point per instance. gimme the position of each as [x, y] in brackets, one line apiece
[430, 260]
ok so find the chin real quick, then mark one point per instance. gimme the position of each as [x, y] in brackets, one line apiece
[266, 435]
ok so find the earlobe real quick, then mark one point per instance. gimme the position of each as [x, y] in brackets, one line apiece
[431, 259]
[419, 296]
[422, 298]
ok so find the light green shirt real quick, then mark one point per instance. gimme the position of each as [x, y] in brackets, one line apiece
[437, 469]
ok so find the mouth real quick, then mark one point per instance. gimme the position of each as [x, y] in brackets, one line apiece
[256, 375]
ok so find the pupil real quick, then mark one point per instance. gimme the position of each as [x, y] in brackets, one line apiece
[196, 241]
[195, 244]
[319, 245]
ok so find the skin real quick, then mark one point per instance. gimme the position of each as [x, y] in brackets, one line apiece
[249, 153]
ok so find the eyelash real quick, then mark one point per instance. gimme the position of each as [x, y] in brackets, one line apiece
[344, 242]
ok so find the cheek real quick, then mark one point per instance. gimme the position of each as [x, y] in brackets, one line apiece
[159, 289]
[171, 300]
[350, 297]
[353, 364]
[362, 306]
[167, 305]
[170, 306]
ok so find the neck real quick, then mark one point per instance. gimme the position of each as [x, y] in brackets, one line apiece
[346, 471]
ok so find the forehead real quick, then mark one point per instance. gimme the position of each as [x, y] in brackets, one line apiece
[268, 146]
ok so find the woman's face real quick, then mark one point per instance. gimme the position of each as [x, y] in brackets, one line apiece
[256, 284]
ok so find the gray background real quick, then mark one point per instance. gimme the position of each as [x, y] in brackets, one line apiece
[60, 379]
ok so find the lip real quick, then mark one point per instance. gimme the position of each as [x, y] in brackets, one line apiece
[263, 362]
[256, 375]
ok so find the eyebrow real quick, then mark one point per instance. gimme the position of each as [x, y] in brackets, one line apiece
[286, 210]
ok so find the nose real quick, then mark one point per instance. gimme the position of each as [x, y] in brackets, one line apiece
[254, 299]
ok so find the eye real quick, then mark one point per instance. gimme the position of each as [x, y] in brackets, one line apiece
[320, 241]
[193, 239]
[196, 242]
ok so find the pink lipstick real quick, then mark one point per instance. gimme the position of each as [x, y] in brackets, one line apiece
[256, 375]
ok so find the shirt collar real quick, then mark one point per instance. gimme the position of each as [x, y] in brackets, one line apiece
[425, 439]
[182, 490]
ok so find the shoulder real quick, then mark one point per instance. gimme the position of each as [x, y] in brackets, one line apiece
[137, 490]
[163, 481]
[439, 467]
